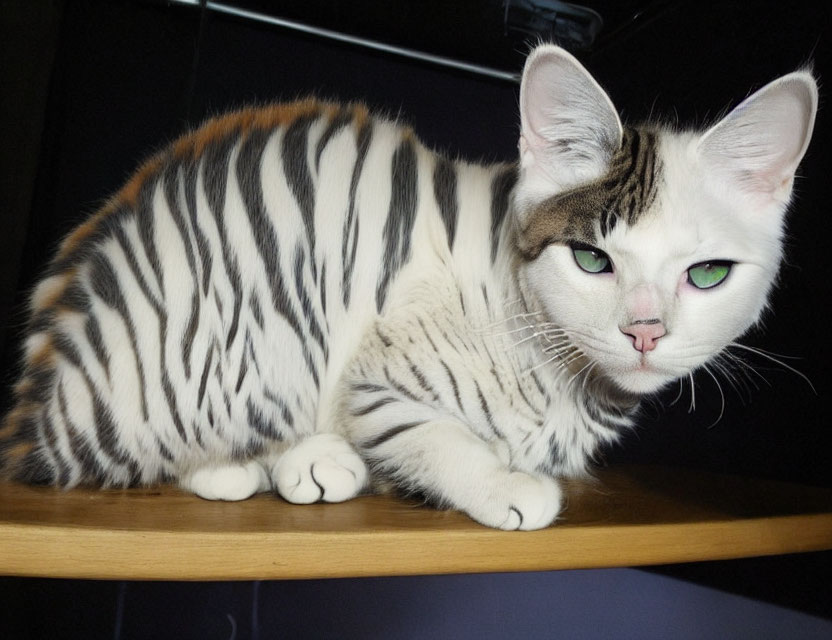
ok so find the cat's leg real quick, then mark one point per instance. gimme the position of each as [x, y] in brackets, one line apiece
[424, 450]
[444, 460]
[232, 481]
[323, 467]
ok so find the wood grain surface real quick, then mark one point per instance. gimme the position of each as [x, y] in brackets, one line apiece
[625, 516]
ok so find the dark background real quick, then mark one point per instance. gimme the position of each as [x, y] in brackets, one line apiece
[89, 88]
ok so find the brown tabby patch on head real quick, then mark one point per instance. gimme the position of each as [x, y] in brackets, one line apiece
[625, 192]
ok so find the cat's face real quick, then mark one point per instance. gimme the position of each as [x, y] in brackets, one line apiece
[653, 299]
[652, 250]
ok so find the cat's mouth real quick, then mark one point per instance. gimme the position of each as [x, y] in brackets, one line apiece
[643, 376]
[645, 366]
[632, 372]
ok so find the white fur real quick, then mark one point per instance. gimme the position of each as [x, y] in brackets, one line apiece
[723, 196]
[227, 482]
[324, 467]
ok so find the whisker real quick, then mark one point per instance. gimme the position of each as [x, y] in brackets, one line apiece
[574, 377]
[566, 357]
[587, 374]
[762, 351]
[527, 316]
[559, 349]
[534, 335]
[570, 359]
[541, 364]
[726, 372]
[525, 327]
[692, 406]
[679, 395]
[745, 368]
[537, 331]
[772, 358]
[721, 395]
[554, 341]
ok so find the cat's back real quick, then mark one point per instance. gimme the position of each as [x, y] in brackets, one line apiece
[226, 284]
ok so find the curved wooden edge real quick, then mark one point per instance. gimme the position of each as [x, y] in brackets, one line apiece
[65, 552]
[628, 516]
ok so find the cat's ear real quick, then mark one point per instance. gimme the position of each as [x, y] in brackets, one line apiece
[569, 127]
[759, 144]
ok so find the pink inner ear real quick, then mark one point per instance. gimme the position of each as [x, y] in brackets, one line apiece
[775, 180]
[763, 140]
[770, 173]
[560, 100]
[540, 102]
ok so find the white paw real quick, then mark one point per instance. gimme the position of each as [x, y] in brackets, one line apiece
[322, 467]
[519, 501]
[228, 482]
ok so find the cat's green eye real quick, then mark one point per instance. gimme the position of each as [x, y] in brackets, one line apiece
[591, 260]
[707, 275]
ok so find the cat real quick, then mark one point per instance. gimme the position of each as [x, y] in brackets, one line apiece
[303, 298]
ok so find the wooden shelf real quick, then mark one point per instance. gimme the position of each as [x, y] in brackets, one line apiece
[627, 516]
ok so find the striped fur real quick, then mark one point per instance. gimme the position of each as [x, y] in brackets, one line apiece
[627, 190]
[303, 297]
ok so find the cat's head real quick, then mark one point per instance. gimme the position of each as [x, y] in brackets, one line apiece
[652, 249]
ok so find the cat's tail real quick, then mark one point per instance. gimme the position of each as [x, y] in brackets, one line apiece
[25, 429]
[28, 432]
[46, 438]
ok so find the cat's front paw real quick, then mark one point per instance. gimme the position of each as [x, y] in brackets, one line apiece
[520, 501]
[227, 482]
[322, 467]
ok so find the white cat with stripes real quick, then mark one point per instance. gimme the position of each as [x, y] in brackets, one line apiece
[304, 298]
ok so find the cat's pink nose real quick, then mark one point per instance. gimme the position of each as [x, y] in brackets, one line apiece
[644, 333]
